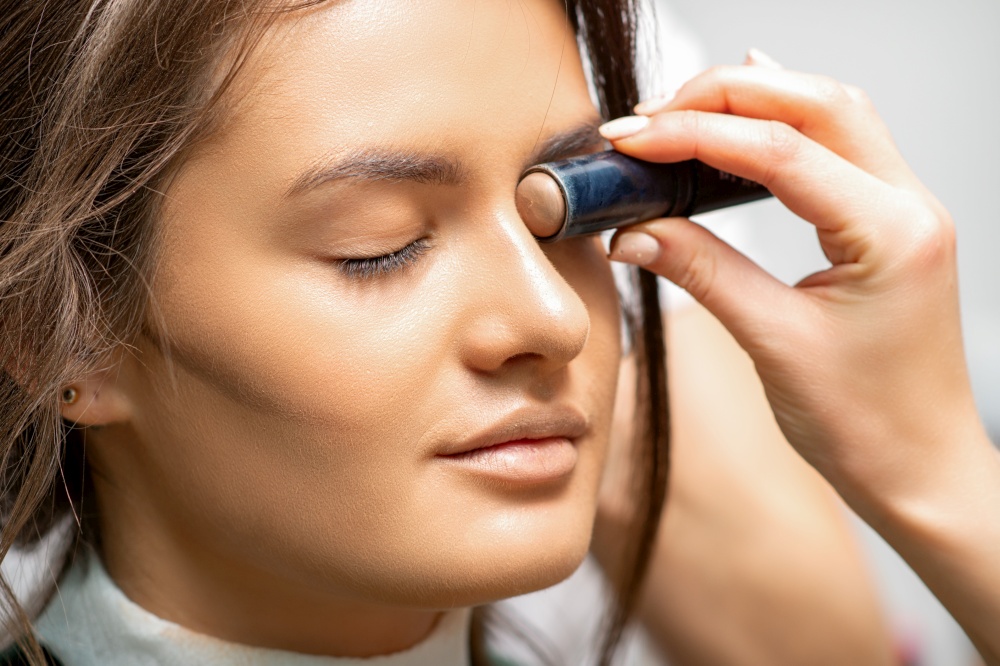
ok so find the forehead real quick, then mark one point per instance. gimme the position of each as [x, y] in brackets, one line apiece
[442, 74]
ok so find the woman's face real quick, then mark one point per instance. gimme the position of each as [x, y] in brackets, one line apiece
[307, 417]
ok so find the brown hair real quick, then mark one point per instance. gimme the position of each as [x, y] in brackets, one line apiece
[102, 99]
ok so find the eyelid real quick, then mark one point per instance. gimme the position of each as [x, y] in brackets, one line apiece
[367, 268]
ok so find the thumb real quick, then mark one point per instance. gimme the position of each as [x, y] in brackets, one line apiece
[742, 296]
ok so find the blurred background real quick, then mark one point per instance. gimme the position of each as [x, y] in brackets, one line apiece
[931, 70]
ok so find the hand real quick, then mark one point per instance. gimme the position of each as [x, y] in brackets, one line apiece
[862, 363]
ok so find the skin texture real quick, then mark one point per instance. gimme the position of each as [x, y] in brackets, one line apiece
[269, 471]
[866, 376]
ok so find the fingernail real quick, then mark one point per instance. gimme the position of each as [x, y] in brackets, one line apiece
[653, 105]
[757, 57]
[635, 247]
[621, 128]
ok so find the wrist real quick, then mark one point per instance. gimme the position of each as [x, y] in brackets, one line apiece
[907, 457]
[942, 500]
[950, 537]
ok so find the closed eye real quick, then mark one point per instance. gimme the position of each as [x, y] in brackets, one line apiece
[367, 268]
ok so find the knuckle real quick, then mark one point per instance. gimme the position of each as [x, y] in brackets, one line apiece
[698, 276]
[717, 72]
[675, 134]
[714, 81]
[688, 121]
[688, 87]
[939, 210]
[858, 96]
[830, 92]
[932, 234]
[782, 144]
[687, 130]
[782, 140]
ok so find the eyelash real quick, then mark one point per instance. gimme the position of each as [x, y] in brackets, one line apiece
[366, 268]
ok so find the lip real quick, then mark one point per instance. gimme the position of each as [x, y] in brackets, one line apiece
[523, 424]
[528, 446]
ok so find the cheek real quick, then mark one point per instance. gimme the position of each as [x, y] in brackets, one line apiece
[583, 263]
[285, 343]
[278, 383]
[297, 414]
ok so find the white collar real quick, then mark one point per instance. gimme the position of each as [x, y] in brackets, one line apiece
[90, 622]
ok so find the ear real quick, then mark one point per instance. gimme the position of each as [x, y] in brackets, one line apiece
[95, 400]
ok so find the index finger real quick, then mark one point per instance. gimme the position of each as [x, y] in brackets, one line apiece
[834, 115]
[853, 210]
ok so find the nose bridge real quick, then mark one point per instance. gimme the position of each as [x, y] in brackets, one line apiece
[553, 297]
[527, 307]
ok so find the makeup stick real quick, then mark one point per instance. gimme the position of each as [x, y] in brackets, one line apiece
[592, 193]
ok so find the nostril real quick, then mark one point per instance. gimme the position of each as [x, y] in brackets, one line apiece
[525, 356]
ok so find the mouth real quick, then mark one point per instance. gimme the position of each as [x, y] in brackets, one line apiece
[528, 447]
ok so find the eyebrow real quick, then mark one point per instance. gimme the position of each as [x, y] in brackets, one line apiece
[397, 165]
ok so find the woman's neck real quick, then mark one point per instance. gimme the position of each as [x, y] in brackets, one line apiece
[92, 623]
[234, 601]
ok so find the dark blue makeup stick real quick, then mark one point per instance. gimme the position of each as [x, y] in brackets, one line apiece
[593, 193]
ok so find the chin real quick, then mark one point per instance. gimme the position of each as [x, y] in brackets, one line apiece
[502, 555]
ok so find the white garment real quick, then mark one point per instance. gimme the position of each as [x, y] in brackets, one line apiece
[90, 622]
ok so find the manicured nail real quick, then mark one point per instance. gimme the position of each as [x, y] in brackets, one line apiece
[758, 57]
[653, 105]
[621, 128]
[635, 247]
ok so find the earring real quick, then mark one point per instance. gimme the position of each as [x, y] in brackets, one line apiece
[69, 395]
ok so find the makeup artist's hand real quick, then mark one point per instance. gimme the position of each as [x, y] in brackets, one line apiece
[863, 362]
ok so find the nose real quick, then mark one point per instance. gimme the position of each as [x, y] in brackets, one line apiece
[526, 314]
